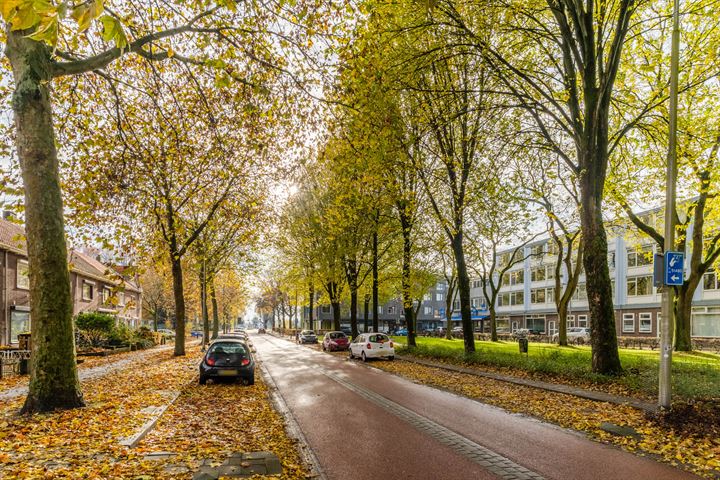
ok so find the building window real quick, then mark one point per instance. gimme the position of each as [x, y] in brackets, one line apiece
[440, 286]
[19, 323]
[570, 321]
[537, 250]
[582, 321]
[87, 291]
[705, 322]
[106, 293]
[638, 257]
[503, 324]
[639, 286]
[456, 305]
[517, 277]
[121, 299]
[438, 297]
[476, 284]
[535, 323]
[517, 298]
[325, 309]
[427, 297]
[645, 323]
[552, 248]
[628, 325]
[428, 310]
[23, 275]
[505, 280]
[580, 293]
[537, 274]
[550, 296]
[503, 299]
[504, 260]
[391, 310]
[379, 309]
[710, 281]
[537, 295]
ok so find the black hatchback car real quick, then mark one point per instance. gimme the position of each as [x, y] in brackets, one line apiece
[228, 358]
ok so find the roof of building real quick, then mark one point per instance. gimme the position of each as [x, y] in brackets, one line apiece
[12, 237]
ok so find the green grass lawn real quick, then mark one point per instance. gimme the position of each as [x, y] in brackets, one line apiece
[695, 374]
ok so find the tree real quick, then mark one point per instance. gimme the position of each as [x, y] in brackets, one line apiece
[43, 47]
[157, 296]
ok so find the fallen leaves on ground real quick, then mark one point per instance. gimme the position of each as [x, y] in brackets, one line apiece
[695, 449]
[84, 443]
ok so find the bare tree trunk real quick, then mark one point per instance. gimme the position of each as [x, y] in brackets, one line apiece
[683, 315]
[464, 289]
[449, 309]
[213, 301]
[53, 372]
[366, 313]
[605, 355]
[375, 283]
[407, 296]
[203, 305]
[336, 315]
[179, 295]
[311, 293]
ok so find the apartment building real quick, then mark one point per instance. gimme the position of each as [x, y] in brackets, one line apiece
[526, 298]
[431, 313]
[94, 286]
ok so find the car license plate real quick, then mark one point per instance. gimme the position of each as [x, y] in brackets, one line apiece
[227, 372]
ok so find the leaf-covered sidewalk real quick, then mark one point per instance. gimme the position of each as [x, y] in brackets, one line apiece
[205, 422]
[697, 449]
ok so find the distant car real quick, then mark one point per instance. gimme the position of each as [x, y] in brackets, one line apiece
[335, 341]
[372, 345]
[401, 332]
[228, 358]
[457, 331]
[239, 336]
[346, 330]
[261, 330]
[307, 336]
[196, 333]
[575, 334]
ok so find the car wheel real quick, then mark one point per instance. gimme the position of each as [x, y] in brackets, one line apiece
[364, 358]
[249, 381]
[351, 355]
[391, 357]
[203, 380]
[323, 347]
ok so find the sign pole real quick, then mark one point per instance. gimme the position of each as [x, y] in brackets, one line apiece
[666, 327]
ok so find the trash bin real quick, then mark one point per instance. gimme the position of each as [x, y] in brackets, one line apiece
[523, 343]
[24, 366]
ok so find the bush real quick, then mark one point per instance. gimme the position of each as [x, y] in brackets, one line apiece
[121, 335]
[95, 321]
[92, 338]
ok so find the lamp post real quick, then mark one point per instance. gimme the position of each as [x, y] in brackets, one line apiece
[667, 321]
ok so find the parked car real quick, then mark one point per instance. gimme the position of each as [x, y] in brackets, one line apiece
[402, 332]
[457, 331]
[307, 336]
[196, 333]
[372, 345]
[335, 341]
[228, 358]
[261, 330]
[346, 330]
[575, 334]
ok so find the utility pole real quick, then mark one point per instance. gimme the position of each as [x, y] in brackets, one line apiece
[668, 320]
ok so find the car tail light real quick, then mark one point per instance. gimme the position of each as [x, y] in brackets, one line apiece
[391, 345]
[210, 361]
[368, 346]
[245, 362]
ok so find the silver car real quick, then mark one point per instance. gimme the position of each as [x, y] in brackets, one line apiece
[575, 334]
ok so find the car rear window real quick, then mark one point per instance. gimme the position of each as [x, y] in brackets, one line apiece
[227, 348]
[336, 335]
[307, 332]
[379, 338]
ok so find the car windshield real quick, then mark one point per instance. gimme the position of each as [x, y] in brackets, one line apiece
[336, 335]
[307, 332]
[226, 349]
[378, 338]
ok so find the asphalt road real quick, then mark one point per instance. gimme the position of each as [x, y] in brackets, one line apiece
[363, 423]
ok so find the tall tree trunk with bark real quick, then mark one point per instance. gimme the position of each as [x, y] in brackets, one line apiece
[464, 290]
[214, 303]
[204, 306]
[179, 295]
[406, 285]
[311, 313]
[366, 312]
[351, 273]
[53, 372]
[375, 283]
[605, 355]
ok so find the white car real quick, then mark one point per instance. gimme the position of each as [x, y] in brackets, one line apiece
[575, 334]
[372, 345]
